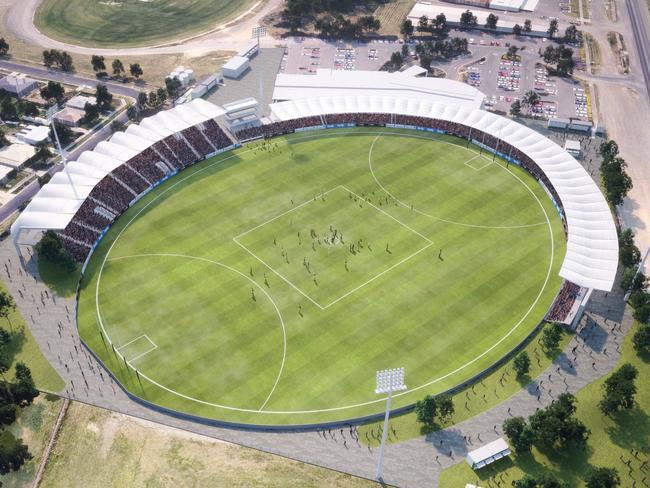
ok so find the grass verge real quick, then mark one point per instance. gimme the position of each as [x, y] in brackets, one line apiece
[98, 448]
[492, 390]
[609, 444]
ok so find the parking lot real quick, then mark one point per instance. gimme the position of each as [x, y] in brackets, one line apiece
[308, 55]
[503, 81]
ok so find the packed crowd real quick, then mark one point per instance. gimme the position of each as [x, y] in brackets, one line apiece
[145, 164]
[131, 179]
[215, 134]
[564, 302]
[358, 119]
[115, 192]
[198, 141]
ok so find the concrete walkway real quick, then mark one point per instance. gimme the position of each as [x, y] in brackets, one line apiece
[413, 463]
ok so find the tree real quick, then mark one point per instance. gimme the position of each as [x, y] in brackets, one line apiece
[98, 63]
[571, 34]
[406, 29]
[552, 28]
[396, 61]
[7, 414]
[4, 47]
[628, 253]
[608, 150]
[619, 390]
[8, 109]
[132, 112]
[520, 434]
[136, 70]
[103, 97]
[13, 453]
[556, 426]
[468, 19]
[633, 281]
[641, 339]
[441, 21]
[426, 410]
[64, 133]
[162, 95]
[615, 179]
[23, 373]
[118, 67]
[551, 336]
[530, 98]
[51, 249]
[423, 24]
[528, 26]
[516, 29]
[602, 478]
[521, 364]
[527, 481]
[445, 407]
[117, 126]
[172, 85]
[91, 112]
[153, 99]
[515, 108]
[27, 108]
[48, 59]
[491, 21]
[512, 52]
[53, 90]
[7, 305]
[142, 100]
[65, 62]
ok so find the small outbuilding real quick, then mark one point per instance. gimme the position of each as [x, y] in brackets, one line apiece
[70, 116]
[235, 67]
[18, 84]
[573, 148]
[33, 134]
[79, 102]
[488, 453]
[16, 155]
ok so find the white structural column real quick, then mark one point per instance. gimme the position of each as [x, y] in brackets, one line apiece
[388, 381]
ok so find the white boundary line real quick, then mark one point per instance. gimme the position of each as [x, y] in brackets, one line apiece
[379, 400]
[133, 340]
[479, 168]
[277, 310]
[142, 354]
[336, 300]
[447, 221]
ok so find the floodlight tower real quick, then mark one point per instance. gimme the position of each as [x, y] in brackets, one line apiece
[257, 33]
[50, 118]
[388, 381]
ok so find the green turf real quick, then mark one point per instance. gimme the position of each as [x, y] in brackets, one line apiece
[131, 22]
[610, 442]
[200, 268]
[496, 387]
[23, 347]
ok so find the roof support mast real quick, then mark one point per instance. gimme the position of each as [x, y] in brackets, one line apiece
[50, 117]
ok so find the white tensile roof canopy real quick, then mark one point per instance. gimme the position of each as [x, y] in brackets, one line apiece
[56, 203]
[592, 249]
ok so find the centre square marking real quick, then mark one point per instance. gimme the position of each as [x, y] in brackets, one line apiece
[333, 244]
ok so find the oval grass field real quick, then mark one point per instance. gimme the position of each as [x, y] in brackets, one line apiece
[267, 285]
[124, 23]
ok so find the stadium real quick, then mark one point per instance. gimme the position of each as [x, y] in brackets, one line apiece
[259, 271]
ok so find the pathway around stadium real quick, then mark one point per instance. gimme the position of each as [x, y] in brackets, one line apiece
[415, 462]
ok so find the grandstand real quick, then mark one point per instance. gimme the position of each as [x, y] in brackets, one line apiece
[81, 201]
[103, 183]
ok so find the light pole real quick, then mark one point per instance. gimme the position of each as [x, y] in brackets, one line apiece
[50, 118]
[257, 33]
[388, 381]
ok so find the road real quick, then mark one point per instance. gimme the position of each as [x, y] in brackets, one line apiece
[68, 78]
[640, 28]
